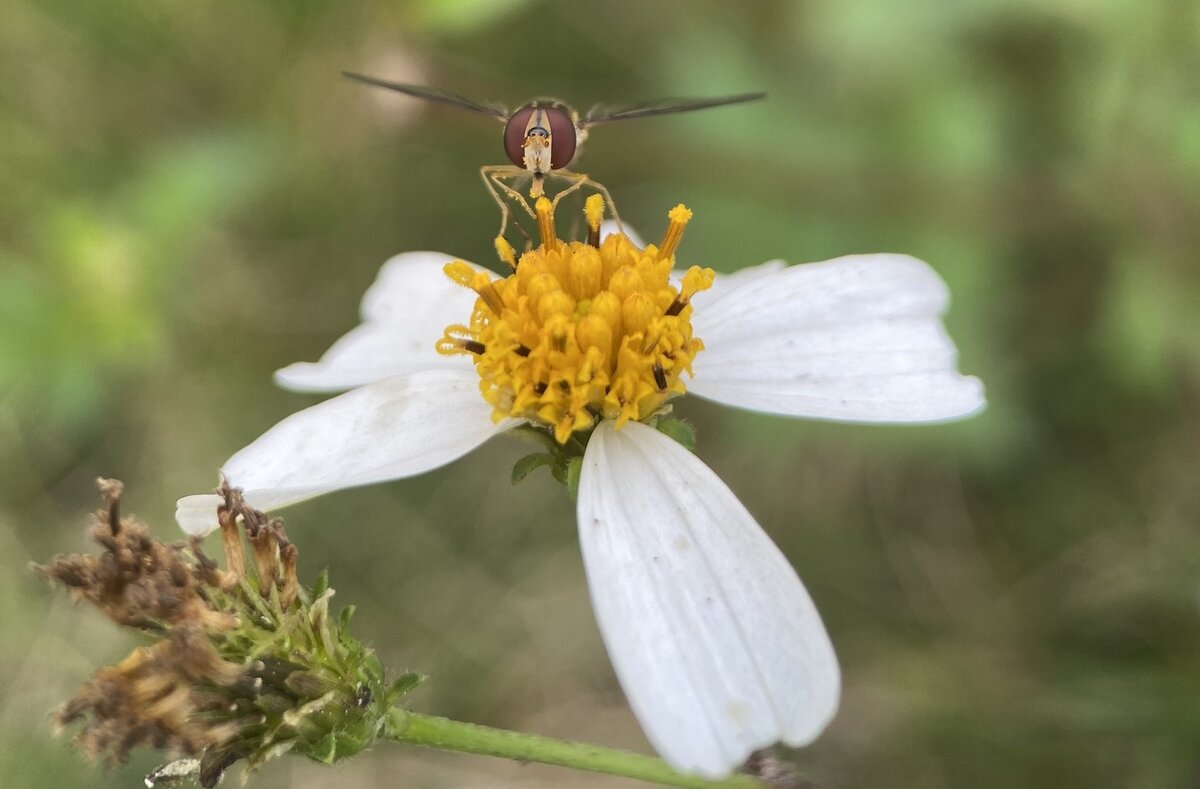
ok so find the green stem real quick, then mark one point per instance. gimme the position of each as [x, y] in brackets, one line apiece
[435, 732]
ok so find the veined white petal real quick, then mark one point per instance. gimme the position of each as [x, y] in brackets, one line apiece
[398, 427]
[856, 338]
[404, 313]
[723, 283]
[716, 643]
[197, 514]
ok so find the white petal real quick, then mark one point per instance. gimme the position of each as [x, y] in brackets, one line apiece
[398, 427]
[716, 643]
[856, 338]
[198, 514]
[608, 227]
[723, 282]
[404, 313]
[414, 282]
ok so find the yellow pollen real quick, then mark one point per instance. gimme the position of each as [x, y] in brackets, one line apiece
[506, 252]
[581, 332]
[593, 211]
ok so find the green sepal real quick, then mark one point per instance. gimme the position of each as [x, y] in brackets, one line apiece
[539, 435]
[402, 686]
[574, 469]
[678, 429]
[528, 463]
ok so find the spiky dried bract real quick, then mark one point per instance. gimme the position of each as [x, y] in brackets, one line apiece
[242, 668]
[775, 772]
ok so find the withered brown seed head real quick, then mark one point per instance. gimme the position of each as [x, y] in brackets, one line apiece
[174, 695]
[137, 581]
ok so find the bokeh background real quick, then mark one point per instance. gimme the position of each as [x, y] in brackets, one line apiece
[191, 197]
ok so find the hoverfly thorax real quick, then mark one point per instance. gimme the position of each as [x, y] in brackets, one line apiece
[541, 137]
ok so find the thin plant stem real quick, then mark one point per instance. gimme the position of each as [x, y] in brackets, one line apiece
[435, 732]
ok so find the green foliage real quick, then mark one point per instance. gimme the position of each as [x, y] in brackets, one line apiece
[191, 198]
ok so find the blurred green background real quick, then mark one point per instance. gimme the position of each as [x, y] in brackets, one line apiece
[191, 197]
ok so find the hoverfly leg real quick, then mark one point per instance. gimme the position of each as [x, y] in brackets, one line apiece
[493, 178]
[579, 180]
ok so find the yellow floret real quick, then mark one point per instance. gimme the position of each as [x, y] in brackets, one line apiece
[580, 332]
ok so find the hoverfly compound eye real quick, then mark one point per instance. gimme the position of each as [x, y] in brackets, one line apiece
[562, 137]
[514, 135]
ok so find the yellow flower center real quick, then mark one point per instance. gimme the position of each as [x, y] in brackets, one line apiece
[581, 331]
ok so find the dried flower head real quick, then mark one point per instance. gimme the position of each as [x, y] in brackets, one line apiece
[243, 666]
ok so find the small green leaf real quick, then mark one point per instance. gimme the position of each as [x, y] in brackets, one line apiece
[321, 585]
[574, 468]
[528, 463]
[404, 684]
[679, 430]
[345, 615]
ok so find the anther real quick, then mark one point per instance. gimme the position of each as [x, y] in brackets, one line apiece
[678, 218]
[491, 298]
[660, 377]
[521, 351]
[545, 221]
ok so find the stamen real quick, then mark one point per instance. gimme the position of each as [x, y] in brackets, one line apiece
[458, 341]
[545, 221]
[593, 212]
[696, 279]
[477, 281]
[678, 216]
[660, 376]
[506, 252]
[231, 542]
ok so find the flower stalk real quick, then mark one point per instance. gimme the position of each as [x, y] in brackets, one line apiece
[434, 732]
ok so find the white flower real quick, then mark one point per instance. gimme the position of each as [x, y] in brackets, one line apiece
[715, 641]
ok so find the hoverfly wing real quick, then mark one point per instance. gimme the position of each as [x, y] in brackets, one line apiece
[603, 113]
[432, 94]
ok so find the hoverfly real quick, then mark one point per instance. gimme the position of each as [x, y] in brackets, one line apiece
[543, 136]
